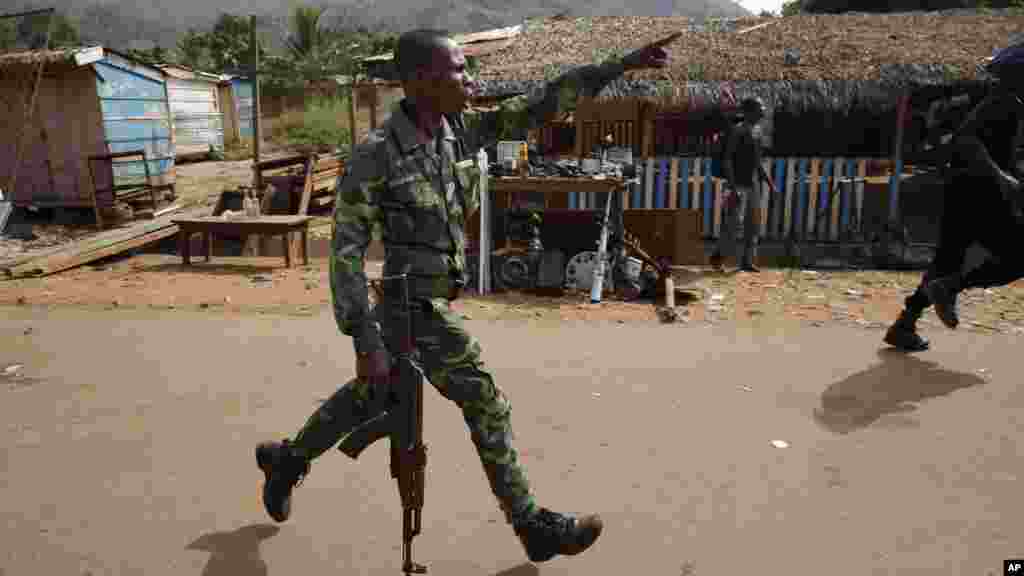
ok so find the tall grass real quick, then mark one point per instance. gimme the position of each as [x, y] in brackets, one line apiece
[321, 124]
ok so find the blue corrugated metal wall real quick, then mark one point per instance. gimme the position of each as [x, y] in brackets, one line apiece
[135, 115]
[242, 90]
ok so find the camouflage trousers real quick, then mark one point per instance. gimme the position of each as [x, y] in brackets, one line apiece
[450, 358]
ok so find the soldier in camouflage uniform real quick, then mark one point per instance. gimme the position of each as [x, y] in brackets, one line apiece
[411, 185]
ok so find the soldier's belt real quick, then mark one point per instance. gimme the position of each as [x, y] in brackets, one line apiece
[427, 287]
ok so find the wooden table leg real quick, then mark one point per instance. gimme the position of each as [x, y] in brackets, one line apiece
[286, 237]
[186, 245]
[305, 245]
[208, 245]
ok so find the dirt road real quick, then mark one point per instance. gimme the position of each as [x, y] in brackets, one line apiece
[128, 441]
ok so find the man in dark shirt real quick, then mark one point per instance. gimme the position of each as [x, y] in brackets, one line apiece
[741, 163]
[982, 203]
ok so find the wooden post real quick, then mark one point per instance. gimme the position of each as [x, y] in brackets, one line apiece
[20, 143]
[897, 173]
[373, 106]
[257, 124]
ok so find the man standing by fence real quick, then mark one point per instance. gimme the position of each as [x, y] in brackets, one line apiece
[741, 165]
[983, 201]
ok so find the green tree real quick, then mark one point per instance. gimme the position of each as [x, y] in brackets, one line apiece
[31, 31]
[8, 34]
[193, 50]
[228, 43]
[307, 40]
[791, 8]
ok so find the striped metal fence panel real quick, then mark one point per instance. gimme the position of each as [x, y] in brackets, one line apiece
[818, 199]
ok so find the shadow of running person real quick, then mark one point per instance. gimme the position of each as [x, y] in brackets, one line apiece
[235, 552]
[524, 569]
[893, 386]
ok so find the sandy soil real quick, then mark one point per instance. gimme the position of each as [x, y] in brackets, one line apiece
[242, 285]
[712, 450]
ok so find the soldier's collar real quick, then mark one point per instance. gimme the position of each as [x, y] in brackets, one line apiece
[405, 129]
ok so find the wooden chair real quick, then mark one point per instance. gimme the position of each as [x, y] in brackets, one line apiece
[107, 193]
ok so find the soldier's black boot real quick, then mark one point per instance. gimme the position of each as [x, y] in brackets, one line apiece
[942, 292]
[547, 534]
[283, 469]
[903, 333]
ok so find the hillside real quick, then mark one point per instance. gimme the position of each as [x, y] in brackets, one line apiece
[141, 23]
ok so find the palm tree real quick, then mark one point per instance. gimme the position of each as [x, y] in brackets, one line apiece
[307, 40]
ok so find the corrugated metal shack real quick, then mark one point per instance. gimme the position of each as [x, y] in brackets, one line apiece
[90, 101]
[196, 111]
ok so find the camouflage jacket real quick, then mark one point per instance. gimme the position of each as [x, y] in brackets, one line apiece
[415, 199]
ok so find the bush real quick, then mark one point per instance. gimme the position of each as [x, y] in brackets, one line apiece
[323, 123]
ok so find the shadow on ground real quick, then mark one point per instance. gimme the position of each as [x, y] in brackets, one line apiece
[524, 569]
[235, 552]
[893, 386]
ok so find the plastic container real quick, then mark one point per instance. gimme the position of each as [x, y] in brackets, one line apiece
[633, 268]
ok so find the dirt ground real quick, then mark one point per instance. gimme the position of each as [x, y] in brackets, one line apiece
[865, 299]
[127, 440]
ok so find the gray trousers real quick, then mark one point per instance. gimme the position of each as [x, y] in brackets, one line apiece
[745, 210]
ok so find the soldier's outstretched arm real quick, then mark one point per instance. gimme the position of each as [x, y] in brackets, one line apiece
[559, 96]
[357, 221]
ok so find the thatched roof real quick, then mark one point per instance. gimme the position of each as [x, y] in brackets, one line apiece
[890, 49]
[70, 57]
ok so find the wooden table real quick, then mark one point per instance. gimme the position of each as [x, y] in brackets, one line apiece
[556, 192]
[210, 226]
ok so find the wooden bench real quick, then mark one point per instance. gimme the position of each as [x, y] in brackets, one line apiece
[304, 178]
[107, 192]
[210, 226]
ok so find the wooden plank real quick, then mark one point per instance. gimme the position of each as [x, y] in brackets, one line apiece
[666, 183]
[99, 241]
[709, 198]
[307, 186]
[839, 171]
[697, 182]
[766, 198]
[858, 194]
[168, 210]
[673, 184]
[787, 220]
[66, 261]
[812, 197]
[824, 200]
[684, 184]
[649, 184]
[779, 202]
[716, 205]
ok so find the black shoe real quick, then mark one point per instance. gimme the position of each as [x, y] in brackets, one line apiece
[751, 268]
[903, 335]
[283, 470]
[547, 534]
[942, 293]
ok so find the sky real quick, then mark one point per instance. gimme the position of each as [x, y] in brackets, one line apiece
[756, 6]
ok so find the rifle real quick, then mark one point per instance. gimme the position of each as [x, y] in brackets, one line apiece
[403, 424]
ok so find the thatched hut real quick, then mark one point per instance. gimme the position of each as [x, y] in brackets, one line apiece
[90, 101]
[832, 82]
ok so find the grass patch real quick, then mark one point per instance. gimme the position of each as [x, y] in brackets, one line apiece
[322, 124]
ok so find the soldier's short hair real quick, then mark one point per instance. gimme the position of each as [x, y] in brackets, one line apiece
[415, 50]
